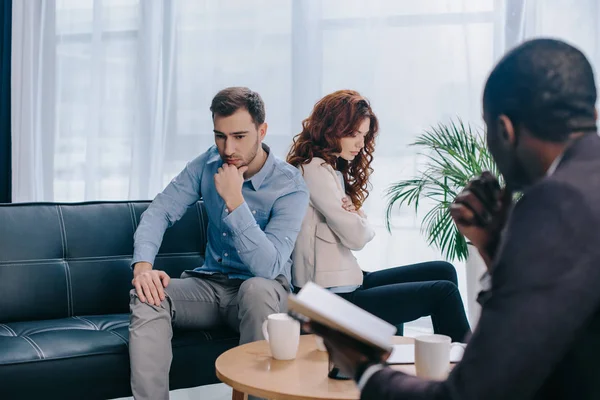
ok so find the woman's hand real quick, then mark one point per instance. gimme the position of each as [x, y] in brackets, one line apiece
[349, 206]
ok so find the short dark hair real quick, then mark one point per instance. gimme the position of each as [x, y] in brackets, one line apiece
[231, 99]
[547, 86]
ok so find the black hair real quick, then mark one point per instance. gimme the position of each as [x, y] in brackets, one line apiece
[547, 86]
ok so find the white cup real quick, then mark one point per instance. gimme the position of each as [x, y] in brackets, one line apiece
[432, 356]
[283, 334]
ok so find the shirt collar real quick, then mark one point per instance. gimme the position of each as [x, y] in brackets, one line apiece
[573, 143]
[555, 164]
[260, 176]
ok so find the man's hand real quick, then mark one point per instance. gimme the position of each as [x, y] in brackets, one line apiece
[480, 212]
[149, 284]
[348, 354]
[229, 181]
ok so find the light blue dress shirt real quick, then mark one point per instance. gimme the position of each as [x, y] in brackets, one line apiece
[255, 239]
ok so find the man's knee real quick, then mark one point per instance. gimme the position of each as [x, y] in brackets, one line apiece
[145, 311]
[260, 294]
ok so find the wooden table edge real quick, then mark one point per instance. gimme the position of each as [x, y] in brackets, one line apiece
[243, 390]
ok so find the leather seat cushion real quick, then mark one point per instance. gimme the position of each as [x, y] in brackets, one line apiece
[69, 348]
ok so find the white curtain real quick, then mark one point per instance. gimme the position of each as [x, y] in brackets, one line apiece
[32, 91]
[575, 22]
[111, 97]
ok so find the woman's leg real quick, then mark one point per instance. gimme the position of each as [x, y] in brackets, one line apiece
[403, 302]
[427, 271]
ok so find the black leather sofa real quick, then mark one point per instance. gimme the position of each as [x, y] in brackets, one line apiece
[64, 300]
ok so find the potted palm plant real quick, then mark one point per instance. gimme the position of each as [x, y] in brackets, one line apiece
[454, 154]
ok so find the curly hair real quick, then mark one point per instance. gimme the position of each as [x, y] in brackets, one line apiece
[335, 116]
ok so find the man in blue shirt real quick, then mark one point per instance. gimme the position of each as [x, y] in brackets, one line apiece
[255, 204]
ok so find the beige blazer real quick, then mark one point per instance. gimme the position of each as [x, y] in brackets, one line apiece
[323, 250]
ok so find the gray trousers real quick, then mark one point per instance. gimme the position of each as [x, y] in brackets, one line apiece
[195, 302]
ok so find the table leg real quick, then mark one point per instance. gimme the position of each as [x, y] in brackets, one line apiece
[238, 395]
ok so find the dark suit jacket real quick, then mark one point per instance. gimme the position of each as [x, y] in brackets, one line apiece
[539, 332]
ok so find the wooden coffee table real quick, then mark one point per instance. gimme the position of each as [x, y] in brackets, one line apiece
[250, 369]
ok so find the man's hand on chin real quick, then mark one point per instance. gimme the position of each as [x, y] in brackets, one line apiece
[228, 182]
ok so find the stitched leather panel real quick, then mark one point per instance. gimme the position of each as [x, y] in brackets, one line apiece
[33, 291]
[101, 286]
[16, 350]
[30, 232]
[28, 328]
[187, 235]
[96, 230]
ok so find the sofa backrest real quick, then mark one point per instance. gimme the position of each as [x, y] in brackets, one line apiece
[63, 260]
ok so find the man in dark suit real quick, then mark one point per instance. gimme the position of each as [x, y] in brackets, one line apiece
[539, 332]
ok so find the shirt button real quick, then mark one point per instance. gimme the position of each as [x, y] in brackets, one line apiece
[224, 234]
[253, 211]
[225, 254]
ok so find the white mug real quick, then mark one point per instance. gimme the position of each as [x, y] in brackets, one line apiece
[283, 334]
[432, 356]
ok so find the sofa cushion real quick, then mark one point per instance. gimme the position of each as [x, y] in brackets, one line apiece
[30, 341]
[63, 338]
[95, 342]
[30, 232]
[34, 290]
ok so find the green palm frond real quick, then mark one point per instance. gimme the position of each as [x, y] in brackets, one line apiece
[454, 154]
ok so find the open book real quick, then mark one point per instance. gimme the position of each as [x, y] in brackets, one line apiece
[322, 306]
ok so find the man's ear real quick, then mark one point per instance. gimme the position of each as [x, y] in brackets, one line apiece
[506, 130]
[262, 131]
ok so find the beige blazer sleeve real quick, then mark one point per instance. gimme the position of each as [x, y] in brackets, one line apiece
[326, 195]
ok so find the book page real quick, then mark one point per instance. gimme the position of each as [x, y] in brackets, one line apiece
[331, 310]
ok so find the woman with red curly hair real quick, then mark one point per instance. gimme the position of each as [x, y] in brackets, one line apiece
[334, 151]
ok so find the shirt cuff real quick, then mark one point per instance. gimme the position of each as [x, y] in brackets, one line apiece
[486, 281]
[143, 252]
[240, 219]
[369, 372]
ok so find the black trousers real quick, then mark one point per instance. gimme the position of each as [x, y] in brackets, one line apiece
[404, 294]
